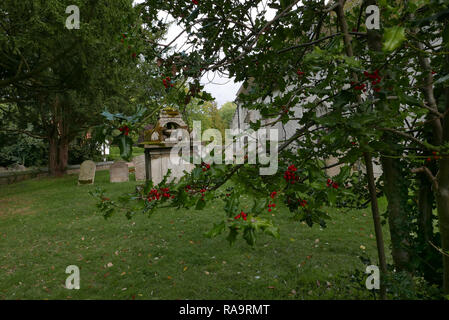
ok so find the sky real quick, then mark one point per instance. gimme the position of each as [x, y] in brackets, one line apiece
[222, 89]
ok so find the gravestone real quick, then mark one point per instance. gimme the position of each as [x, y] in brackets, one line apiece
[87, 172]
[139, 166]
[119, 172]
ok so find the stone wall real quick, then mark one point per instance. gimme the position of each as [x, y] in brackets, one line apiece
[8, 177]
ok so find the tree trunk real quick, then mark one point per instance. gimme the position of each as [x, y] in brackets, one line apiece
[59, 141]
[376, 220]
[58, 156]
[397, 213]
[425, 207]
[442, 195]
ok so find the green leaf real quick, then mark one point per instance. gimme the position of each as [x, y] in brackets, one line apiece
[216, 230]
[232, 236]
[200, 204]
[193, 15]
[249, 235]
[232, 204]
[332, 196]
[442, 79]
[125, 144]
[393, 38]
[260, 205]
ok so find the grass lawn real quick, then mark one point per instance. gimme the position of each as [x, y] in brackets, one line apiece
[48, 224]
[114, 153]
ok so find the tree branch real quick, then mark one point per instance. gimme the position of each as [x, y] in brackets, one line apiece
[429, 175]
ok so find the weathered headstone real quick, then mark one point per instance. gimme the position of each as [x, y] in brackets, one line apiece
[139, 166]
[87, 172]
[119, 172]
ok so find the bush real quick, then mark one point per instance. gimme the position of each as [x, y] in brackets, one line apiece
[82, 149]
[22, 149]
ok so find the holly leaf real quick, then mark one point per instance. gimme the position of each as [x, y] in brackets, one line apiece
[249, 235]
[200, 204]
[442, 79]
[393, 38]
[232, 236]
[216, 230]
[125, 144]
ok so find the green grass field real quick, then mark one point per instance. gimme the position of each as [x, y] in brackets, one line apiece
[114, 153]
[49, 224]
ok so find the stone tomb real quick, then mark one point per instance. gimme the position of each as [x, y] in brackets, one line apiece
[119, 172]
[158, 141]
[87, 172]
[139, 166]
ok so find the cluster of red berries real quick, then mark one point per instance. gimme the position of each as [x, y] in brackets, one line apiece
[156, 195]
[195, 2]
[242, 215]
[375, 79]
[332, 184]
[300, 73]
[202, 191]
[271, 205]
[435, 156]
[125, 130]
[167, 83]
[189, 189]
[361, 87]
[273, 194]
[302, 203]
[205, 166]
[290, 174]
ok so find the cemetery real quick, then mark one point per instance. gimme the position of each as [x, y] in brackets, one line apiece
[224, 150]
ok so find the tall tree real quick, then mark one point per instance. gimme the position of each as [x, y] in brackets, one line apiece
[94, 67]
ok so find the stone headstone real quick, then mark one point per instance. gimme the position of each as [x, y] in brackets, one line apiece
[119, 172]
[139, 166]
[87, 172]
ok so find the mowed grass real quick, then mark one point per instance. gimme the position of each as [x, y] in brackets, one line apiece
[49, 224]
[114, 153]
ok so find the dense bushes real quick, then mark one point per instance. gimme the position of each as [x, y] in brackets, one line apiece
[82, 149]
[22, 149]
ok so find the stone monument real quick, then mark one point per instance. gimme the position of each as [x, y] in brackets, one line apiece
[87, 172]
[119, 172]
